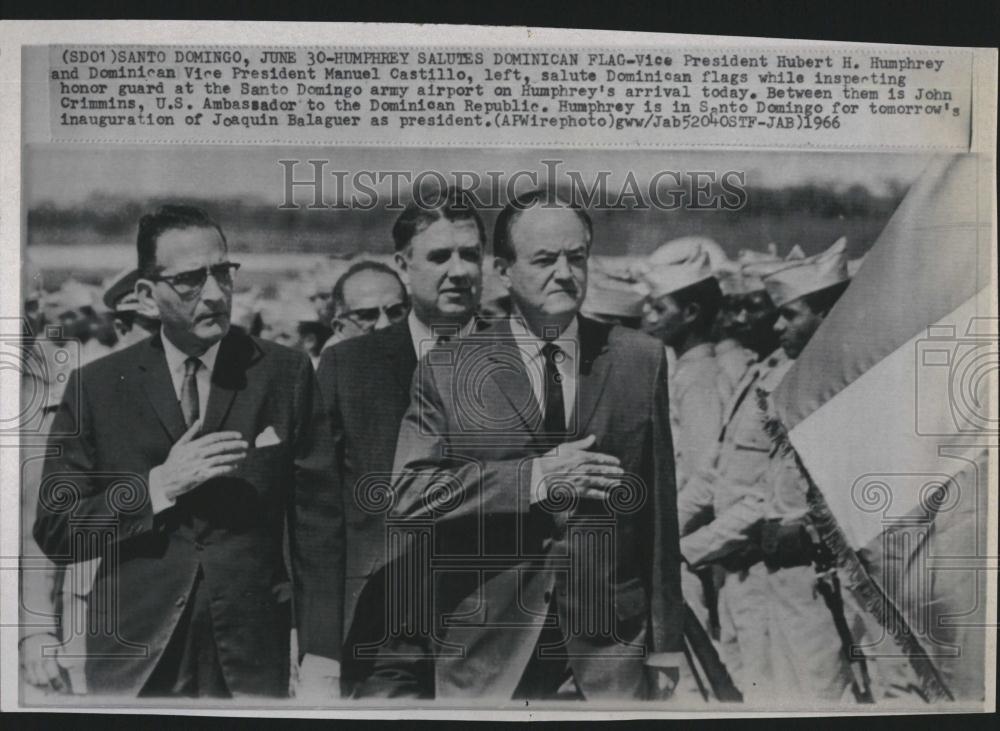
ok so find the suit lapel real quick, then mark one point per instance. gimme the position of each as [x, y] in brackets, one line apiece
[506, 369]
[595, 367]
[511, 379]
[229, 377]
[158, 387]
[397, 345]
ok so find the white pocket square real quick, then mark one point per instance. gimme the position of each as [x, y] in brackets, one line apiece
[267, 438]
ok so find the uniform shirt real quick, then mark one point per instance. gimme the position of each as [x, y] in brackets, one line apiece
[696, 406]
[725, 501]
[734, 361]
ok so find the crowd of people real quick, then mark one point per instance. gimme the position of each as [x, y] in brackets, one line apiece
[276, 495]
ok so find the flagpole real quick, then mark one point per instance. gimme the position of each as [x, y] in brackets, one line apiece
[873, 598]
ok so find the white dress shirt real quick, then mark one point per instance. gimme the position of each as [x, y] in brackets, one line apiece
[530, 347]
[568, 366]
[175, 364]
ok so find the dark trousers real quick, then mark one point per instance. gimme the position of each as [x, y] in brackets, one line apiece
[405, 669]
[549, 676]
[189, 666]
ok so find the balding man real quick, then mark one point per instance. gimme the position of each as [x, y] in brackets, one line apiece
[532, 448]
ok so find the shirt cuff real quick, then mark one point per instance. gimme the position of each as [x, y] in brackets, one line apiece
[665, 659]
[319, 666]
[158, 498]
[535, 494]
[31, 631]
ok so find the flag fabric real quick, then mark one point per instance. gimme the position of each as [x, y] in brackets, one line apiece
[890, 412]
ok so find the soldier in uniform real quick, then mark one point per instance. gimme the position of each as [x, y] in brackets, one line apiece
[734, 490]
[132, 321]
[614, 299]
[804, 644]
[748, 516]
[733, 357]
[746, 317]
[681, 305]
[61, 592]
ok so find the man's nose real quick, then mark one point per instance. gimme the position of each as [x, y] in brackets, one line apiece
[780, 325]
[212, 291]
[563, 270]
[383, 320]
[459, 268]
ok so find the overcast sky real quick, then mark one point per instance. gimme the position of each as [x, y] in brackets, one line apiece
[67, 175]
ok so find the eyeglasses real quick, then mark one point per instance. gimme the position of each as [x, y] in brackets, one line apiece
[366, 317]
[190, 283]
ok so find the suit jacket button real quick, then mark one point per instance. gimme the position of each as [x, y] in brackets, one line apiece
[180, 601]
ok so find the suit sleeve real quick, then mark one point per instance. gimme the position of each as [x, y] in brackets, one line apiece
[75, 485]
[316, 524]
[327, 374]
[666, 603]
[430, 483]
[41, 579]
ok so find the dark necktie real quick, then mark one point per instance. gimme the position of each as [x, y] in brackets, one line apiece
[189, 391]
[555, 409]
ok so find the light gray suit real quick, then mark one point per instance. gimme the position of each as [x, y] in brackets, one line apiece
[607, 570]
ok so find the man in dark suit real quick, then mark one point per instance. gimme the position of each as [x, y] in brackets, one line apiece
[366, 384]
[540, 453]
[192, 450]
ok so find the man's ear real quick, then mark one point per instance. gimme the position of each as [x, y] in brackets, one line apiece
[502, 267]
[402, 259]
[692, 310]
[147, 303]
